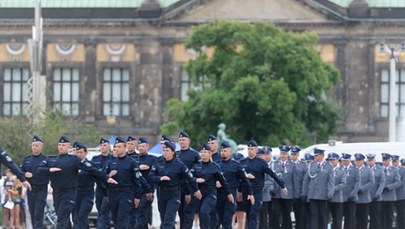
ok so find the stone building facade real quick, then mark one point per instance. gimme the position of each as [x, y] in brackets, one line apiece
[136, 51]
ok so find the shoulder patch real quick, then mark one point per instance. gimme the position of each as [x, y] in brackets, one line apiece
[8, 158]
[88, 164]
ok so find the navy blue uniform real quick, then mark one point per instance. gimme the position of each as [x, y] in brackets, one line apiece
[258, 168]
[189, 157]
[216, 157]
[211, 173]
[170, 191]
[129, 187]
[39, 184]
[102, 204]
[64, 183]
[234, 175]
[85, 196]
[145, 205]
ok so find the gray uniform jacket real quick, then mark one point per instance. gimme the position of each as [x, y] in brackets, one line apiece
[392, 182]
[300, 174]
[268, 186]
[352, 184]
[285, 171]
[401, 190]
[340, 183]
[379, 183]
[319, 182]
[366, 183]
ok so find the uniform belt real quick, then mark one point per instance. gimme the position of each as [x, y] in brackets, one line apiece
[120, 189]
[168, 188]
[63, 189]
[87, 188]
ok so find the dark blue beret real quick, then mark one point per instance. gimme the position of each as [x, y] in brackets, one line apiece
[225, 144]
[252, 143]
[166, 138]
[359, 157]
[80, 145]
[295, 149]
[345, 156]
[212, 138]
[36, 138]
[120, 140]
[64, 139]
[183, 134]
[284, 148]
[333, 156]
[318, 151]
[205, 147]
[103, 140]
[143, 140]
[130, 138]
[74, 144]
[386, 156]
[168, 144]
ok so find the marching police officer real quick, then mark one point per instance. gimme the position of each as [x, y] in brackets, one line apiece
[375, 192]
[318, 188]
[206, 174]
[350, 192]
[265, 217]
[299, 205]
[400, 203]
[282, 203]
[63, 173]
[364, 197]
[146, 162]
[336, 203]
[388, 196]
[102, 202]
[234, 175]
[169, 174]
[189, 157]
[256, 168]
[214, 145]
[125, 195]
[39, 183]
[85, 190]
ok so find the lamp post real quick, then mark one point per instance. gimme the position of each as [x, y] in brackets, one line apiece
[394, 53]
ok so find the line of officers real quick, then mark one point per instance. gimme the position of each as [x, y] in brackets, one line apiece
[210, 182]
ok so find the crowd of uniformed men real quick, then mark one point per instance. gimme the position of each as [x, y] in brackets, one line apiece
[212, 183]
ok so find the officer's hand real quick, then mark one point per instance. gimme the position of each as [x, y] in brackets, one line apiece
[252, 199]
[28, 175]
[200, 180]
[386, 189]
[230, 198]
[198, 195]
[250, 176]
[112, 173]
[144, 167]
[27, 185]
[239, 196]
[351, 198]
[111, 181]
[164, 178]
[187, 198]
[218, 184]
[272, 193]
[136, 202]
[360, 191]
[285, 191]
[149, 197]
[54, 169]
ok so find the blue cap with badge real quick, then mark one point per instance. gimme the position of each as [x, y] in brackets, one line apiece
[370, 156]
[103, 140]
[205, 147]
[183, 134]
[284, 148]
[130, 139]
[120, 140]
[80, 145]
[260, 152]
[319, 151]
[395, 158]
[252, 143]
[36, 138]
[309, 157]
[225, 144]
[267, 149]
[345, 156]
[295, 150]
[64, 139]
[212, 138]
[143, 140]
[170, 145]
[386, 156]
[333, 156]
[166, 138]
[359, 157]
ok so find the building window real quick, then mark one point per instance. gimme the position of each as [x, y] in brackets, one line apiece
[187, 85]
[15, 91]
[116, 92]
[66, 90]
[384, 97]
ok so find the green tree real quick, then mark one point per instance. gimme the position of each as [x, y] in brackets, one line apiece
[17, 133]
[266, 83]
